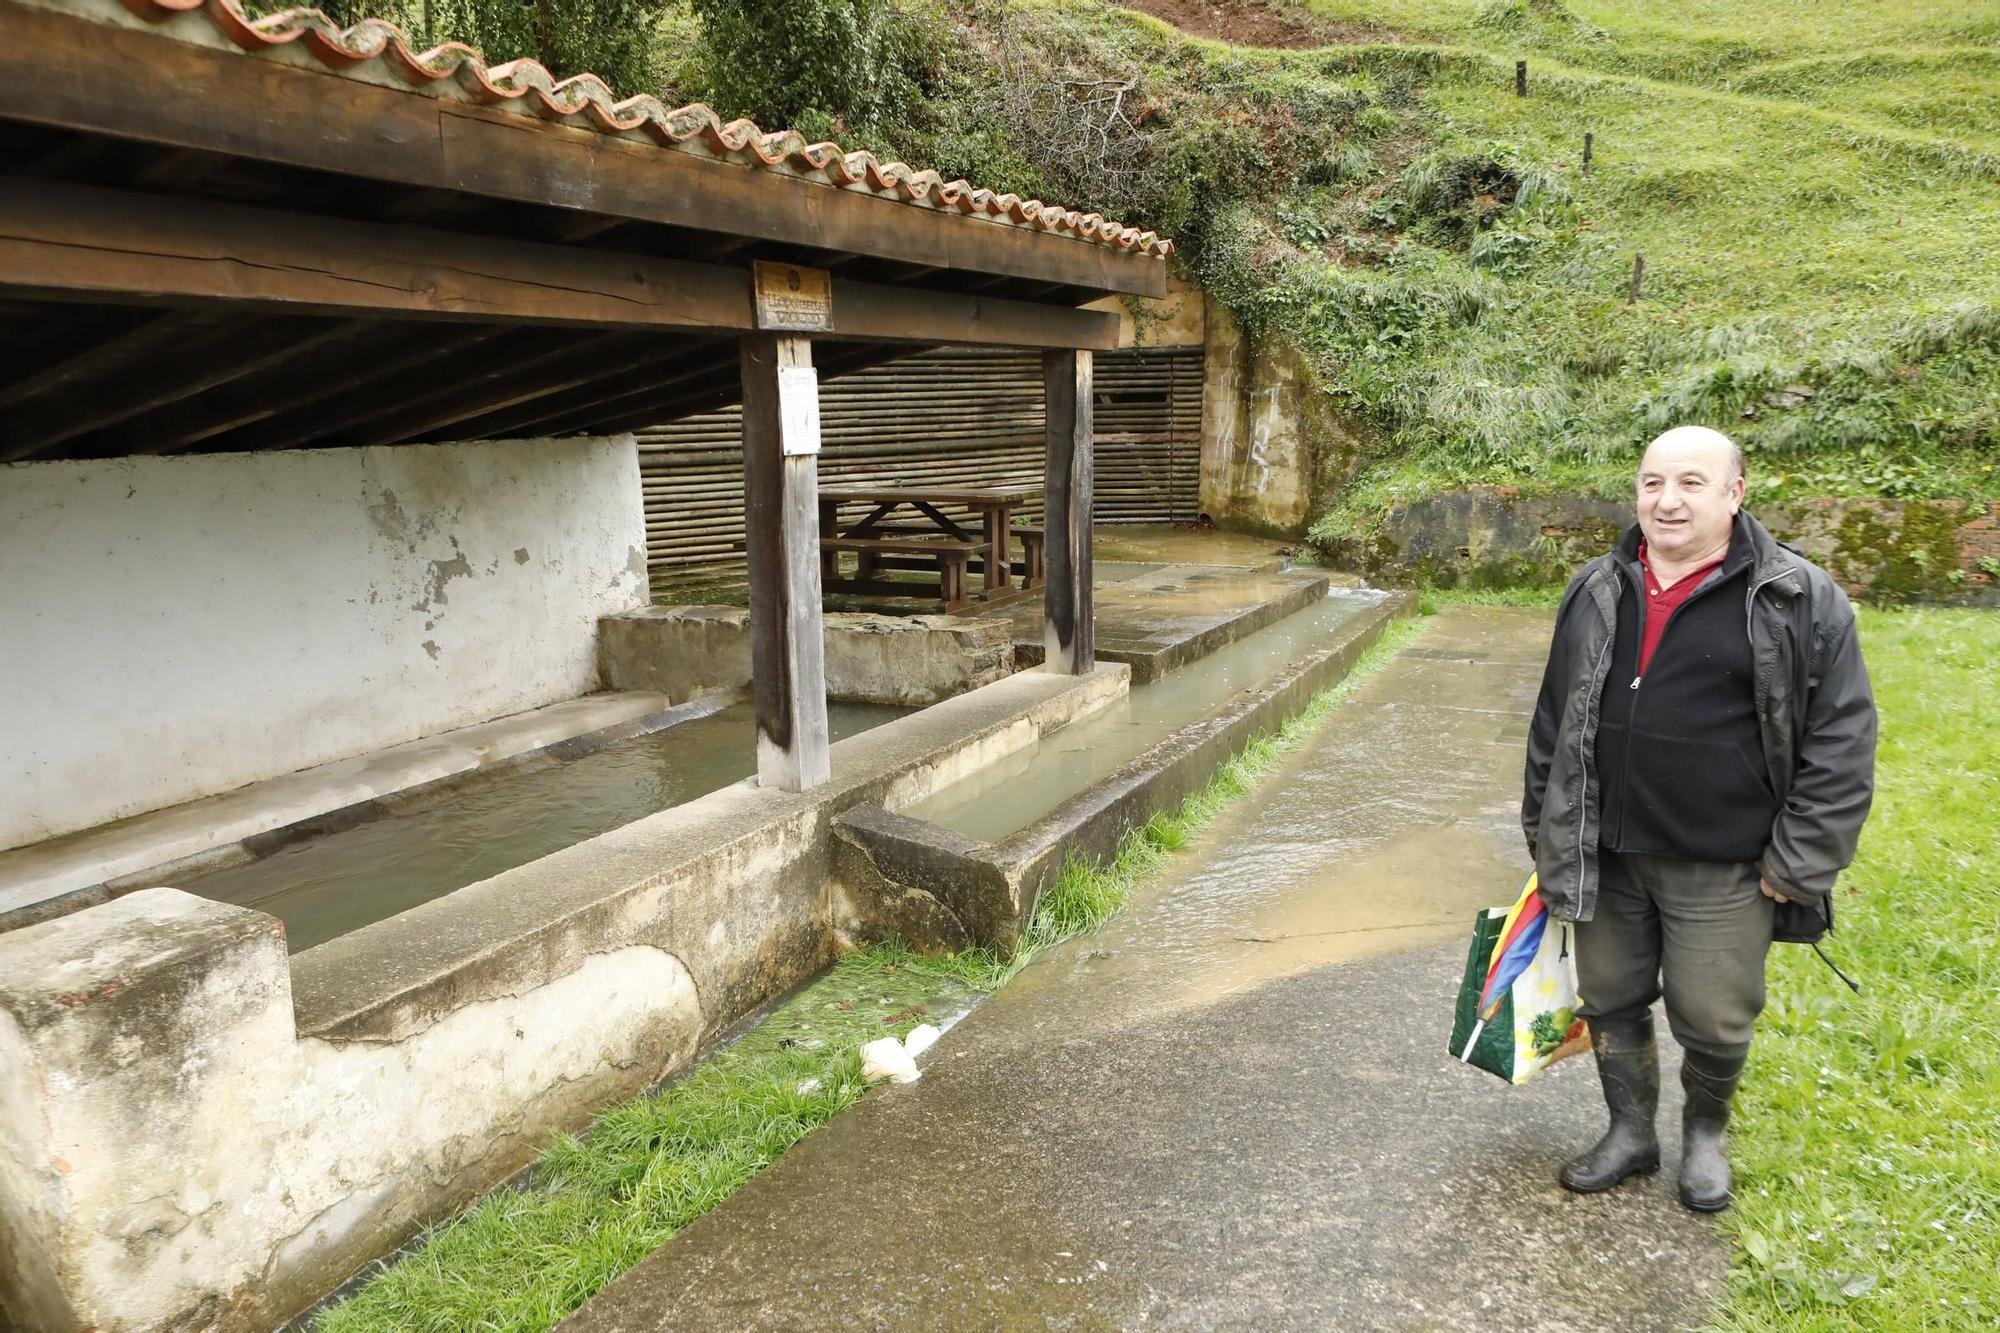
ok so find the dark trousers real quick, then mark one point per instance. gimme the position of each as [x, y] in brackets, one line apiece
[1695, 931]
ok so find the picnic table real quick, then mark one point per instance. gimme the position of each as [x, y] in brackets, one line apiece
[905, 528]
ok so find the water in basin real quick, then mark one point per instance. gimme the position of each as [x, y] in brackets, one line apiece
[328, 885]
[1012, 793]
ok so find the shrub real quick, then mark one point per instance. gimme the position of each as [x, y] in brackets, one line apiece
[817, 65]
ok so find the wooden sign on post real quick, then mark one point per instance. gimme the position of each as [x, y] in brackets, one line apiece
[793, 299]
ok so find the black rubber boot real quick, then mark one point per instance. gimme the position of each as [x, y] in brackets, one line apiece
[1710, 1084]
[1628, 1066]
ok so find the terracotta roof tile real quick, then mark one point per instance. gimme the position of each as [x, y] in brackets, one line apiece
[527, 87]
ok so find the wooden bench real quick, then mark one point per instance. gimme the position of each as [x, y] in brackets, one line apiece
[874, 554]
[1029, 569]
[1030, 566]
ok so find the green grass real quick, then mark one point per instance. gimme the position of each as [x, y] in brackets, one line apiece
[1534, 596]
[523, 1259]
[1867, 1149]
[1812, 186]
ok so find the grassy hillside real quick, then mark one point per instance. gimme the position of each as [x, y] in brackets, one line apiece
[1815, 188]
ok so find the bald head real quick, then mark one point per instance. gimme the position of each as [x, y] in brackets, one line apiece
[1690, 486]
[1717, 448]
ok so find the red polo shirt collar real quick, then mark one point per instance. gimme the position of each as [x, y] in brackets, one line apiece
[1659, 604]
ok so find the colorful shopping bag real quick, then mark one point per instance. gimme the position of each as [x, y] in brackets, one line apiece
[1516, 1012]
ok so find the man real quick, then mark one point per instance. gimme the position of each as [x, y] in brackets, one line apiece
[1703, 750]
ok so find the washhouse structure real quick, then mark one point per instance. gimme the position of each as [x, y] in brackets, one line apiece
[322, 358]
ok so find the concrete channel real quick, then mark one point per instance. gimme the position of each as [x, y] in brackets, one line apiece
[284, 1119]
[965, 865]
[344, 878]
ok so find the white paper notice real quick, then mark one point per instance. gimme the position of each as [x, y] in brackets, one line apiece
[798, 410]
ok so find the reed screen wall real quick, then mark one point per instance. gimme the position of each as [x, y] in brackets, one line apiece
[960, 417]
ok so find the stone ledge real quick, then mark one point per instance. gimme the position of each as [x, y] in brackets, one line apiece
[686, 651]
[1945, 551]
[77, 870]
[748, 858]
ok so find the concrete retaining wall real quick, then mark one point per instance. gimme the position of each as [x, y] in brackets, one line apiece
[195, 1133]
[1888, 550]
[175, 627]
[687, 651]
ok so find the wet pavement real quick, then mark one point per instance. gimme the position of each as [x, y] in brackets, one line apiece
[1231, 1108]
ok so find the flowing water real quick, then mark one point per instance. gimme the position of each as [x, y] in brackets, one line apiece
[328, 885]
[1009, 795]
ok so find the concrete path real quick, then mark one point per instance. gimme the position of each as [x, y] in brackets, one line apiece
[1232, 1107]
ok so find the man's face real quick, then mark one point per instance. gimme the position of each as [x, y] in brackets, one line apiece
[1689, 492]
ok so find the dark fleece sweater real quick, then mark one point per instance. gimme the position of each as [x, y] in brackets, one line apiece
[1679, 752]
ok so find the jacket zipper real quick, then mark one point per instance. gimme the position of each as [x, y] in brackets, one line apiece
[1643, 612]
[1762, 688]
[1632, 717]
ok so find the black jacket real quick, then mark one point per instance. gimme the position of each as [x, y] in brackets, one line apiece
[1814, 710]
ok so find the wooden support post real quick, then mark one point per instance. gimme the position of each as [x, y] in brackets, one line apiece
[781, 521]
[1070, 637]
[1520, 78]
[1589, 145]
[1638, 276]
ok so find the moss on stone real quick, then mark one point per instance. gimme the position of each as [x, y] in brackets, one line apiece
[1911, 555]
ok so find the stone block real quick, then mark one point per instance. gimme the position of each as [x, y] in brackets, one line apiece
[1495, 536]
[919, 880]
[174, 1156]
[136, 1044]
[687, 651]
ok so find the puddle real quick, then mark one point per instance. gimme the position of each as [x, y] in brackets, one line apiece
[1009, 795]
[329, 885]
[1387, 831]
[1423, 885]
[1119, 571]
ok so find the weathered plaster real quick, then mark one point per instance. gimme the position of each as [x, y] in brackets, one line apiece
[197, 1162]
[171, 628]
[1177, 319]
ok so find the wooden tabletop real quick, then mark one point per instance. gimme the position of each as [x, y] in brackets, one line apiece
[1011, 493]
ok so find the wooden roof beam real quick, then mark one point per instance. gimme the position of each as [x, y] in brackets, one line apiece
[411, 381]
[155, 332]
[84, 243]
[135, 85]
[617, 386]
[240, 407]
[610, 356]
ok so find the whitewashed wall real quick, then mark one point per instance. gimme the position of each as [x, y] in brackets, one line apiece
[175, 627]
